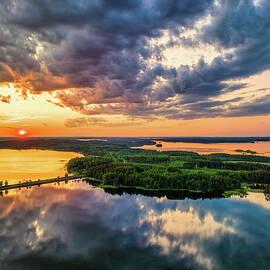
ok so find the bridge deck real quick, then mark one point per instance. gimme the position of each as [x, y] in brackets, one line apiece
[40, 182]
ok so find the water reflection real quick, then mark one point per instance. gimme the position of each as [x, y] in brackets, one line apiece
[262, 148]
[93, 139]
[75, 226]
[21, 165]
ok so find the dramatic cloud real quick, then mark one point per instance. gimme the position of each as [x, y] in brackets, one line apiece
[107, 53]
[98, 121]
[82, 122]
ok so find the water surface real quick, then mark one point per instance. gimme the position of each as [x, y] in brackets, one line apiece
[86, 140]
[262, 148]
[21, 165]
[76, 226]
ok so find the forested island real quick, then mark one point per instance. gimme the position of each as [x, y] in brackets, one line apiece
[176, 170]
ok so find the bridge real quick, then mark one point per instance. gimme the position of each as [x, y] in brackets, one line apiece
[40, 182]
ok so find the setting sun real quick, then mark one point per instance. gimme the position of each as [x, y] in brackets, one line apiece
[22, 132]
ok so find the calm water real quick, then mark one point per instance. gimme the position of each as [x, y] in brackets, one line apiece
[23, 165]
[87, 140]
[76, 226]
[262, 148]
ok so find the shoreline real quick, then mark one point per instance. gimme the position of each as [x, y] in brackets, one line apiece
[225, 194]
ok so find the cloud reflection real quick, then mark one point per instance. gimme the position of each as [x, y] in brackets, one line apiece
[85, 228]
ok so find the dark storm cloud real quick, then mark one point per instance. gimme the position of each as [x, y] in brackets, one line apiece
[91, 38]
[238, 25]
[103, 51]
[259, 106]
[202, 109]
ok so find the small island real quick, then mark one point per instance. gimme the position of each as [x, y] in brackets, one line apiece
[246, 151]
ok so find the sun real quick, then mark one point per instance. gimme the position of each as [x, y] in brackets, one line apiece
[22, 132]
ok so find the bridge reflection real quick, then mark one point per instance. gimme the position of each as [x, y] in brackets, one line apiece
[40, 182]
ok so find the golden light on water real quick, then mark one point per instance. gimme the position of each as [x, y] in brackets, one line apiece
[22, 165]
[260, 148]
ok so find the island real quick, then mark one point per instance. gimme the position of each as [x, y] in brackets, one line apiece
[246, 151]
[220, 174]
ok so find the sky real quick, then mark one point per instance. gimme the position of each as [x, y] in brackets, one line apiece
[135, 67]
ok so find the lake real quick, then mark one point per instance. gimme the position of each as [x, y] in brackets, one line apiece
[262, 148]
[23, 165]
[76, 226]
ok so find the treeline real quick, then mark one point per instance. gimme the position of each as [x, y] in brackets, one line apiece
[154, 157]
[237, 166]
[92, 147]
[148, 158]
[214, 161]
[59, 144]
[90, 166]
[196, 161]
[260, 176]
[154, 177]
[161, 178]
[248, 158]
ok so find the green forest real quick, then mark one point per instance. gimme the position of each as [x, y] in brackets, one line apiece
[177, 170]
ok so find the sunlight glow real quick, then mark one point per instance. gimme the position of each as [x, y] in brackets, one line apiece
[22, 132]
